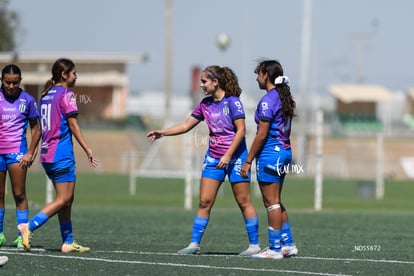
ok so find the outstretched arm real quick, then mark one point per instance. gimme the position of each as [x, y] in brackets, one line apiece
[178, 129]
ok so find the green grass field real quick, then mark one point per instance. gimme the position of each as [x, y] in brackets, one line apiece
[139, 235]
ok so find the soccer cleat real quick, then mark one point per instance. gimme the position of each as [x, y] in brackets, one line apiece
[190, 250]
[19, 242]
[2, 239]
[251, 250]
[268, 253]
[26, 235]
[74, 247]
[289, 251]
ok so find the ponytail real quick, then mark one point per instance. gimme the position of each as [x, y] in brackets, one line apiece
[48, 85]
[232, 87]
[61, 65]
[226, 78]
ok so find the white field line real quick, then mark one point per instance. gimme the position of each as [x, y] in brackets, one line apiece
[19, 252]
[222, 255]
[14, 252]
[236, 256]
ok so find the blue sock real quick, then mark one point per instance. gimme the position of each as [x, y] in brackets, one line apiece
[66, 232]
[252, 229]
[199, 225]
[2, 211]
[22, 216]
[38, 220]
[275, 239]
[287, 237]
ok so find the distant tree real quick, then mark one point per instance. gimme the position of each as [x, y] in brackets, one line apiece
[9, 26]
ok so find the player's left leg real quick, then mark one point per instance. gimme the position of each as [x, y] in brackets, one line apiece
[18, 184]
[241, 192]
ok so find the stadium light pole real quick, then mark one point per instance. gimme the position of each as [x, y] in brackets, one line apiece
[304, 82]
[168, 58]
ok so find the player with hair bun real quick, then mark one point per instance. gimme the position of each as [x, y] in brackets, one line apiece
[224, 114]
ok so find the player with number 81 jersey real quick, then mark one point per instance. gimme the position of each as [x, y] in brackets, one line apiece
[56, 106]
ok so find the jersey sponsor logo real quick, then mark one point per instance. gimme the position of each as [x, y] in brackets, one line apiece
[8, 116]
[9, 109]
[239, 107]
[265, 107]
[47, 97]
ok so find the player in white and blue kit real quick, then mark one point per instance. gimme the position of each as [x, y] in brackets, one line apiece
[224, 114]
[18, 110]
[272, 149]
[58, 117]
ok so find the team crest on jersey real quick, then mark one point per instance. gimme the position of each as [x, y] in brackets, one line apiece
[22, 107]
[226, 110]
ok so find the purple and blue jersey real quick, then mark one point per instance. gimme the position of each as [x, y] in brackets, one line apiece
[219, 116]
[55, 108]
[276, 153]
[15, 116]
[269, 109]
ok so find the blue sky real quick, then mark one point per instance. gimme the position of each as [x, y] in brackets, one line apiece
[351, 39]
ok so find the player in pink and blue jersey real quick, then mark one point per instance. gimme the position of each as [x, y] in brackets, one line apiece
[58, 117]
[224, 114]
[17, 110]
[272, 150]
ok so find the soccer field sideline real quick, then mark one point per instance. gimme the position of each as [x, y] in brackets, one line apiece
[172, 264]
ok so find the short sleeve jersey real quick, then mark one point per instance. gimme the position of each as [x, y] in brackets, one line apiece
[220, 117]
[15, 116]
[269, 109]
[55, 108]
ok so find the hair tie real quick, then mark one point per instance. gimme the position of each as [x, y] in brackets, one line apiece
[281, 80]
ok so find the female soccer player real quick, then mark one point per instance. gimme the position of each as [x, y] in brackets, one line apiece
[224, 114]
[18, 110]
[272, 150]
[58, 117]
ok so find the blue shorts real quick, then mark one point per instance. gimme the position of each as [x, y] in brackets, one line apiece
[61, 171]
[273, 165]
[8, 159]
[232, 170]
